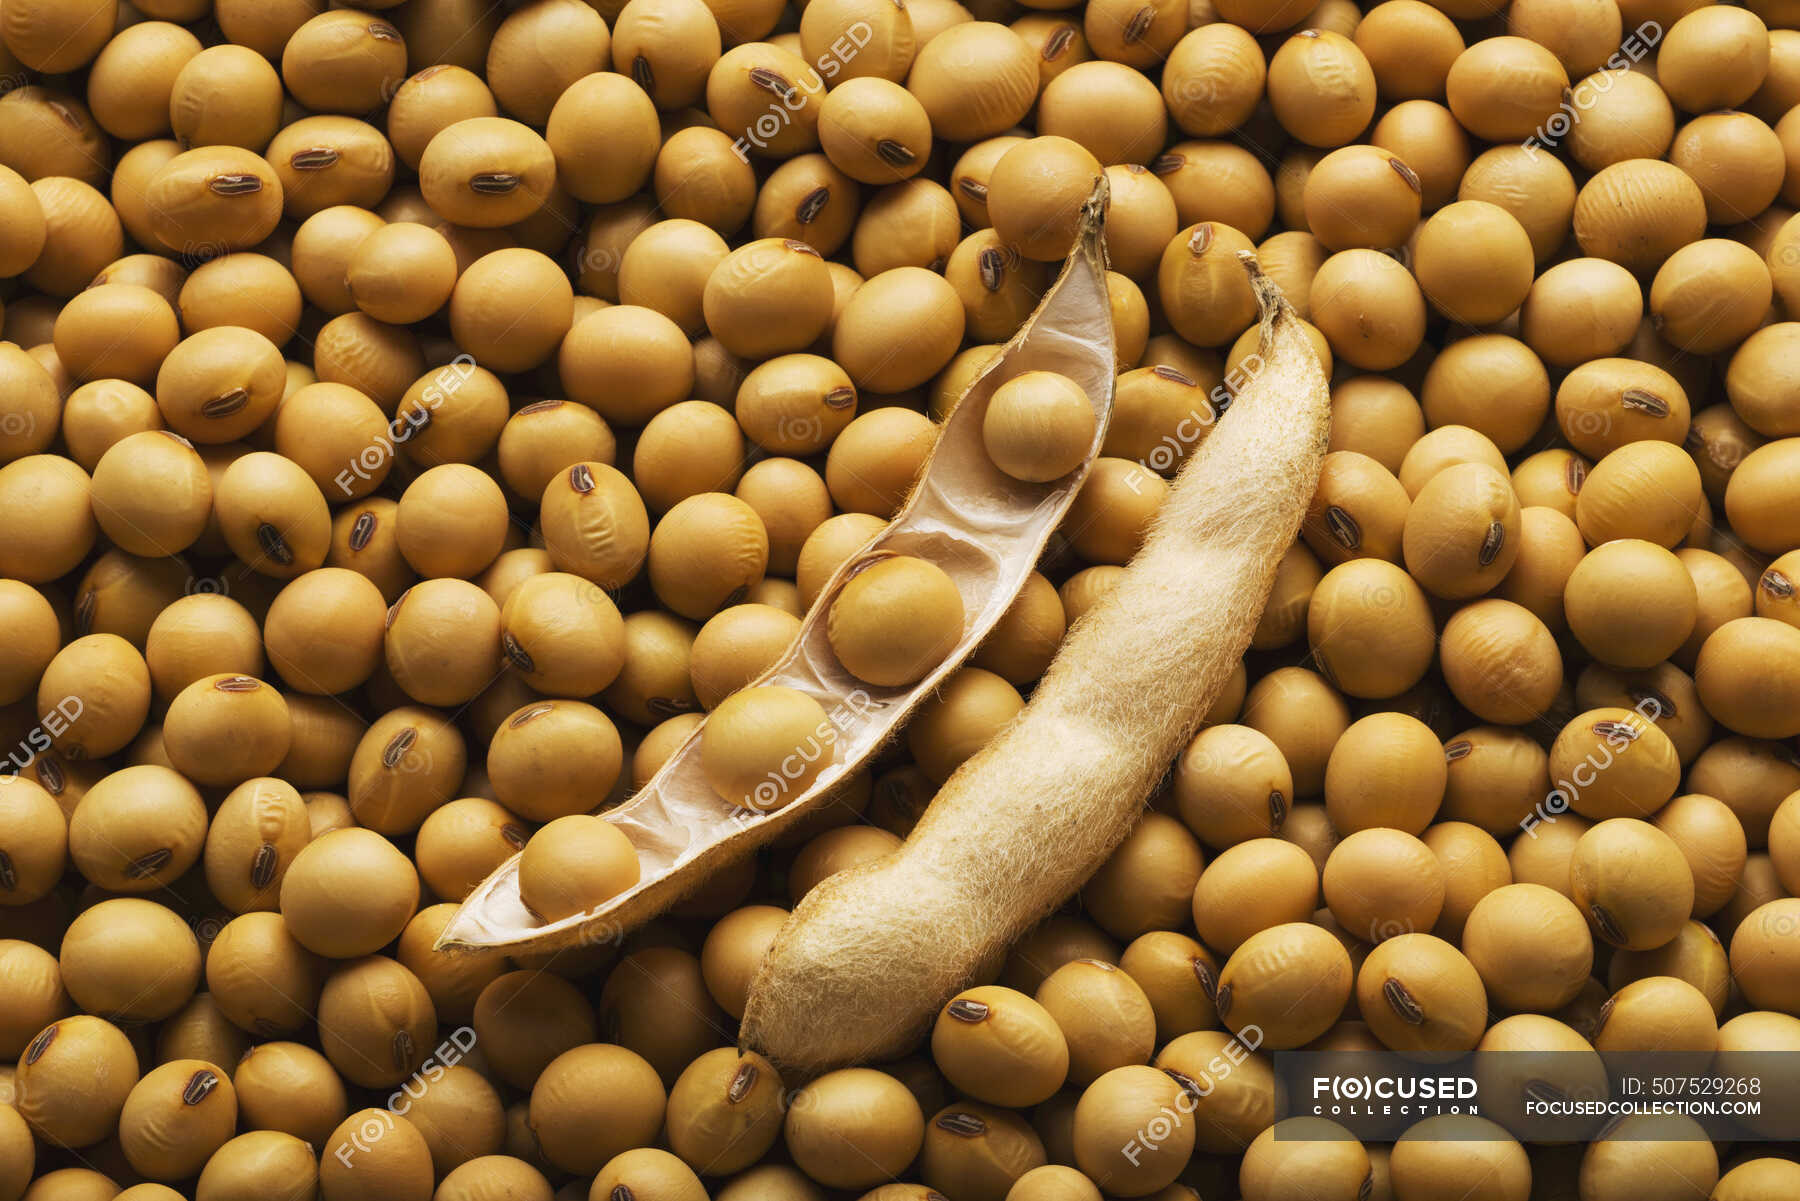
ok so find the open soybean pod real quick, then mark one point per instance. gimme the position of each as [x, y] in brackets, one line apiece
[981, 526]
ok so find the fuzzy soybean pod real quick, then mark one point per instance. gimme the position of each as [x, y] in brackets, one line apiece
[871, 954]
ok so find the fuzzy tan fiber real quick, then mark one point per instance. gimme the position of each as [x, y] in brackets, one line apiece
[868, 957]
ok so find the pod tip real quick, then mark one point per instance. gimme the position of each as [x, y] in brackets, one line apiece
[1094, 207]
[1269, 299]
[1091, 236]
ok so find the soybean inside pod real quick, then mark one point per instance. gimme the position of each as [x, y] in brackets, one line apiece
[980, 525]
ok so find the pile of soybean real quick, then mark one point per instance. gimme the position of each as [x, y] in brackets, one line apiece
[603, 334]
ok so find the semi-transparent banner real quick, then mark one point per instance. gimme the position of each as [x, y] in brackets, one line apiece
[1542, 1096]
